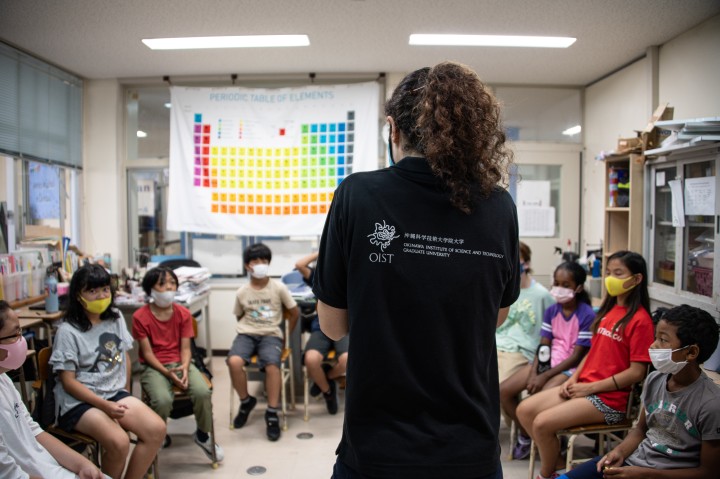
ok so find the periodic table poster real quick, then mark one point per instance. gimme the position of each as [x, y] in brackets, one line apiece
[250, 161]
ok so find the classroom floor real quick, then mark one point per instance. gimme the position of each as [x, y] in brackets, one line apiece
[289, 458]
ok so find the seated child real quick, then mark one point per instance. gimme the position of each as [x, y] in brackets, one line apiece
[259, 312]
[25, 449]
[599, 388]
[566, 332]
[678, 432]
[163, 331]
[318, 347]
[91, 360]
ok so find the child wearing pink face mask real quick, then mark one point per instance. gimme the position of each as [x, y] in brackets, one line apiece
[565, 333]
[599, 388]
[25, 449]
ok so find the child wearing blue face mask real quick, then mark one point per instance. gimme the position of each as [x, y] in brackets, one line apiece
[259, 312]
[163, 331]
[678, 432]
[91, 360]
[599, 388]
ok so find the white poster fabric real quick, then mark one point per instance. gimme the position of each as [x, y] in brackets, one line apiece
[265, 162]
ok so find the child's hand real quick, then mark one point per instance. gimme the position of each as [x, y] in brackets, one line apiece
[115, 410]
[90, 471]
[565, 388]
[625, 472]
[179, 377]
[535, 383]
[580, 390]
[611, 459]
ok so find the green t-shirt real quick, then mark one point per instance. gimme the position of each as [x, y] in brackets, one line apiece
[520, 333]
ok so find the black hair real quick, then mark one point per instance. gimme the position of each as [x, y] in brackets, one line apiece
[157, 274]
[526, 256]
[88, 277]
[638, 296]
[579, 276]
[4, 308]
[449, 116]
[256, 251]
[694, 326]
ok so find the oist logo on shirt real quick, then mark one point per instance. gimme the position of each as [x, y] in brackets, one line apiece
[383, 235]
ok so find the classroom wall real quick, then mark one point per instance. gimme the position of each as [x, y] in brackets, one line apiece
[688, 79]
[689, 75]
[614, 108]
[104, 218]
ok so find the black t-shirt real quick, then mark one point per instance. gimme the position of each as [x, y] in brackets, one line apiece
[422, 283]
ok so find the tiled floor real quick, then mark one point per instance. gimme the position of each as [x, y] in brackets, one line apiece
[289, 458]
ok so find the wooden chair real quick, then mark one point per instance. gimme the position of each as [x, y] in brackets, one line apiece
[76, 440]
[286, 376]
[182, 402]
[606, 433]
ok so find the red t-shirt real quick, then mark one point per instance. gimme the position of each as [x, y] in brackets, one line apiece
[164, 336]
[611, 353]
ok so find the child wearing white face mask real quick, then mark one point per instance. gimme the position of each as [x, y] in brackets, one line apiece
[599, 388]
[163, 331]
[259, 312]
[678, 432]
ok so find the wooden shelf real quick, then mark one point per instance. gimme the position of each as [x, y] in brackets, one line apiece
[27, 301]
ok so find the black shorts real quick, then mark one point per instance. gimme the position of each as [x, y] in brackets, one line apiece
[69, 420]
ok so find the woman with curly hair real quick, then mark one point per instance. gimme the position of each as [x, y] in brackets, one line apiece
[419, 262]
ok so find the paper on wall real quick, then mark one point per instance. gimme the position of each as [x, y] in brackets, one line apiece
[700, 196]
[678, 213]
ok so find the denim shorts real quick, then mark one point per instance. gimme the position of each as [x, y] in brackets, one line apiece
[268, 349]
[321, 343]
[69, 420]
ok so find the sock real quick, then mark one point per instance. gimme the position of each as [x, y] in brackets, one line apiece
[272, 410]
[328, 393]
[524, 439]
[201, 435]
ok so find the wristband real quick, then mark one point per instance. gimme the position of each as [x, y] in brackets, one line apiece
[616, 384]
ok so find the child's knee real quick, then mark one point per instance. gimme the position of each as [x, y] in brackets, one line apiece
[235, 362]
[116, 442]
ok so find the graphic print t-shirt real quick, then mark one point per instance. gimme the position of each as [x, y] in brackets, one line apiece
[677, 422]
[97, 356]
[260, 310]
[566, 333]
[520, 333]
[612, 351]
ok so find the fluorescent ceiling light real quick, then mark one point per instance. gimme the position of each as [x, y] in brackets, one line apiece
[168, 105]
[572, 130]
[490, 40]
[244, 41]
[141, 134]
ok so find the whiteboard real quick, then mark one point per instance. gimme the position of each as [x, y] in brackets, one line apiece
[220, 256]
[285, 254]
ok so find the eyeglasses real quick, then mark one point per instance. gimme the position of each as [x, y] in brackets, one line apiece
[17, 335]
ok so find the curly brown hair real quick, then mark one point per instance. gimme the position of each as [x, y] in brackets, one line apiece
[447, 114]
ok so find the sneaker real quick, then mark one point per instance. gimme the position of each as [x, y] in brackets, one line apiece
[273, 426]
[331, 398]
[166, 442]
[521, 450]
[554, 475]
[207, 448]
[244, 412]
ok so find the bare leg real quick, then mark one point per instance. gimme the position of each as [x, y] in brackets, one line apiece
[150, 431]
[113, 440]
[556, 380]
[273, 383]
[510, 390]
[238, 377]
[313, 363]
[340, 368]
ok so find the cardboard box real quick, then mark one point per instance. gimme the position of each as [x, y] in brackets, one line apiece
[627, 145]
[652, 136]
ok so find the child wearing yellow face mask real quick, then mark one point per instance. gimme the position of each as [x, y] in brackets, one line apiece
[90, 358]
[599, 388]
